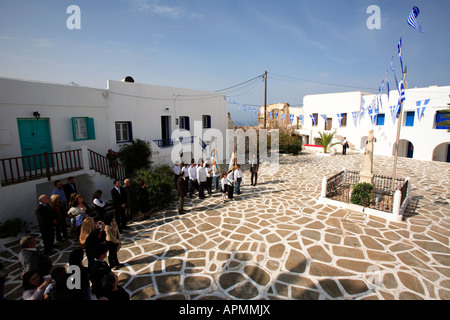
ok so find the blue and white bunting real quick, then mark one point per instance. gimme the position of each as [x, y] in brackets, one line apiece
[355, 115]
[373, 115]
[421, 108]
[340, 117]
[412, 19]
[312, 118]
[301, 117]
[324, 116]
[276, 115]
[283, 117]
[393, 113]
[291, 116]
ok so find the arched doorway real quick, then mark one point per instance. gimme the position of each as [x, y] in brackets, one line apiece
[442, 152]
[405, 149]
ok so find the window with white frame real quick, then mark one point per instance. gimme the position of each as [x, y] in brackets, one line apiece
[123, 132]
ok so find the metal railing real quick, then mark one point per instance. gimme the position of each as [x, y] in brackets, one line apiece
[103, 165]
[27, 168]
[339, 186]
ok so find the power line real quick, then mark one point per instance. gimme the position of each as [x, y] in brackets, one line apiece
[240, 83]
[283, 77]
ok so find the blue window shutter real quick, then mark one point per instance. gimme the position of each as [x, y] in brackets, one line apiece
[209, 121]
[188, 127]
[74, 130]
[380, 120]
[130, 132]
[409, 119]
[90, 128]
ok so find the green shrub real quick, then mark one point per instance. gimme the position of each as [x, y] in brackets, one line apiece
[159, 184]
[11, 228]
[362, 194]
[289, 143]
[135, 155]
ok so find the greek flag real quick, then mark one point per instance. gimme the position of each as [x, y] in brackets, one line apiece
[399, 46]
[283, 117]
[412, 19]
[312, 118]
[401, 90]
[270, 115]
[393, 71]
[292, 119]
[276, 115]
[301, 117]
[324, 116]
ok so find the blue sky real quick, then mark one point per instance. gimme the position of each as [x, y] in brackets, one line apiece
[307, 47]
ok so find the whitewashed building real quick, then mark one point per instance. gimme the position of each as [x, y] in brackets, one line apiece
[74, 127]
[420, 136]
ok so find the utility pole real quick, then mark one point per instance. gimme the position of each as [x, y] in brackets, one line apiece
[265, 99]
[399, 125]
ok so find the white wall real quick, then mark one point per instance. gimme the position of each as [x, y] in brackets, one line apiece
[423, 135]
[141, 104]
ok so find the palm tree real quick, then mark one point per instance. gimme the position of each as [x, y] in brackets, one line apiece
[326, 141]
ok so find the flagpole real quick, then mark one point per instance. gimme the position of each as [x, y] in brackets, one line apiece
[399, 125]
[265, 99]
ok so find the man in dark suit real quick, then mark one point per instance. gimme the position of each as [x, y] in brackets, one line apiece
[46, 220]
[119, 196]
[98, 269]
[69, 188]
[254, 166]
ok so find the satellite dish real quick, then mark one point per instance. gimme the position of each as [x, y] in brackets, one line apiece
[128, 79]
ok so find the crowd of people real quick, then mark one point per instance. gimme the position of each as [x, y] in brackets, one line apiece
[203, 177]
[98, 234]
[98, 230]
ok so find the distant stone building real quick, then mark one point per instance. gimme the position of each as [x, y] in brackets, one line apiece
[279, 116]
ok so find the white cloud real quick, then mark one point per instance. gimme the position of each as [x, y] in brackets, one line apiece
[154, 7]
[42, 43]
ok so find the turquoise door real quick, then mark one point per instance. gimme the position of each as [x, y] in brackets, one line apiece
[35, 139]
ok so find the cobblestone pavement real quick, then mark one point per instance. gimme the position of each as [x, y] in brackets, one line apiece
[276, 241]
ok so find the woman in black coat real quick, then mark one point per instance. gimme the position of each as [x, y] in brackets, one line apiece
[144, 199]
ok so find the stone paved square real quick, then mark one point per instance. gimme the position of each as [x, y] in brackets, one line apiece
[276, 241]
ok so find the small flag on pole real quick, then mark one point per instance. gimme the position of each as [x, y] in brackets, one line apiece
[399, 46]
[412, 19]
